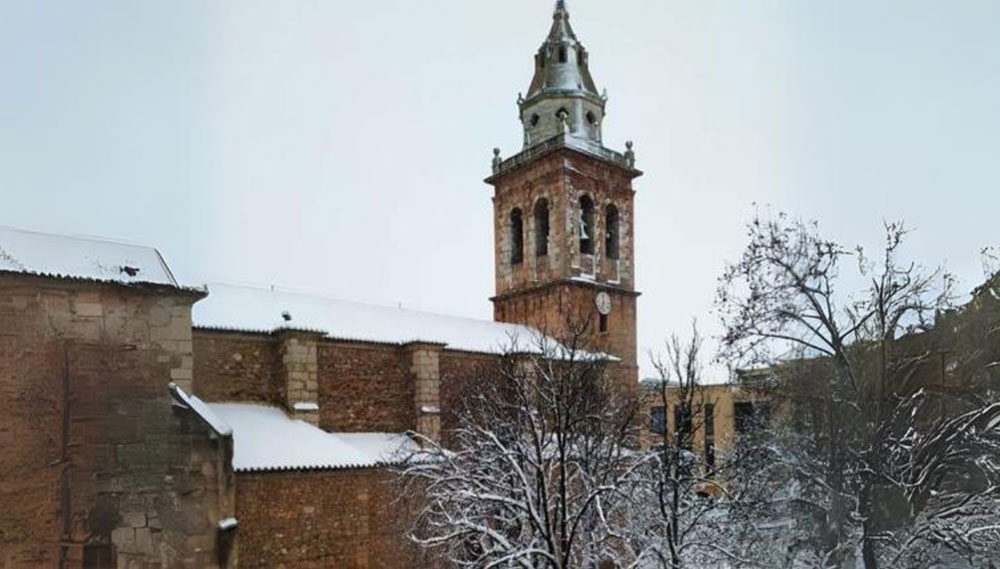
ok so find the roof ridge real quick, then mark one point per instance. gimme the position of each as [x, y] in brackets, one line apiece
[331, 298]
[80, 237]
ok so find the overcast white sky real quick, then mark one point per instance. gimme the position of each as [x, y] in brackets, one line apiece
[339, 147]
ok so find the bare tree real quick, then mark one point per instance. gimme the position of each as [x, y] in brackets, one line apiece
[689, 508]
[877, 455]
[531, 474]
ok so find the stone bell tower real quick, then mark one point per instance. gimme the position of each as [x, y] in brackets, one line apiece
[563, 208]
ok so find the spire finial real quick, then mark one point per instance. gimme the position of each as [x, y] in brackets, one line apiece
[561, 8]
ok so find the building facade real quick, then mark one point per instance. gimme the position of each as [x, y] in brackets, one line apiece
[564, 230]
[148, 425]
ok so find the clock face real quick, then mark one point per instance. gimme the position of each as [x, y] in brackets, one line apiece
[603, 302]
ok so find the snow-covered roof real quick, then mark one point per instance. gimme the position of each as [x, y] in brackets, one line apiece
[81, 257]
[200, 408]
[238, 308]
[267, 439]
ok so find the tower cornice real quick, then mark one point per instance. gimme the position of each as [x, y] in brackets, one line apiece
[623, 161]
[572, 281]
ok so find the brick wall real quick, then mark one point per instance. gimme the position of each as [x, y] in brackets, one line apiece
[552, 307]
[542, 291]
[92, 451]
[236, 367]
[457, 369]
[365, 388]
[350, 519]
[562, 178]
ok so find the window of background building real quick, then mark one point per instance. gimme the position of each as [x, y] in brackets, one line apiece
[709, 420]
[658, 420]
[710, 435]
[683, 426]
[751, 417]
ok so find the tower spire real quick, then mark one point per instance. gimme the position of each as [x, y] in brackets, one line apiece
[562, 98]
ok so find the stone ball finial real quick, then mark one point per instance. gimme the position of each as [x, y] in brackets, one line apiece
[629, 154]
[496, 159]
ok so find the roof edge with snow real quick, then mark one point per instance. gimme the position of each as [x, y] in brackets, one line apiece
[201, 409]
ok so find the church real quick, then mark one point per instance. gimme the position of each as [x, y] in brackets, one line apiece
[147, 424]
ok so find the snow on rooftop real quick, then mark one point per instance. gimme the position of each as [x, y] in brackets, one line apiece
[81, 257]
[230, 307]
[202, 409]
[267, 439]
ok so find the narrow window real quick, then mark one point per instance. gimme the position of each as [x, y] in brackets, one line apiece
[603, 323]
[658, 420]
[563, 56]
[611, 232]
[743, 415]
[751, 418]
[516, 237]
[684, 426]
[542, 228]
[591, 118]
[710, 435]
[586, 226]
[709, 420]
[534, 120]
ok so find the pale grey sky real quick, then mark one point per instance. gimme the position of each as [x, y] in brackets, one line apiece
[340, 147]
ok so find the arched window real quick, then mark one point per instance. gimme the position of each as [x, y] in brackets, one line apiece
[542, 228]
[587, 234]
[516, 237]
[611, 236]
[563, 55]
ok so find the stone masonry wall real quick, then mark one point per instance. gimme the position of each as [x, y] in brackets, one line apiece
[300, 374]
[237, 367]
[349, 519]
[92, 451]
[365, 388]
[425, 367]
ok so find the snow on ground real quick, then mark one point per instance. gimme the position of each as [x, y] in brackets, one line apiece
[230, 307]
[81, 257]
[265, 438]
